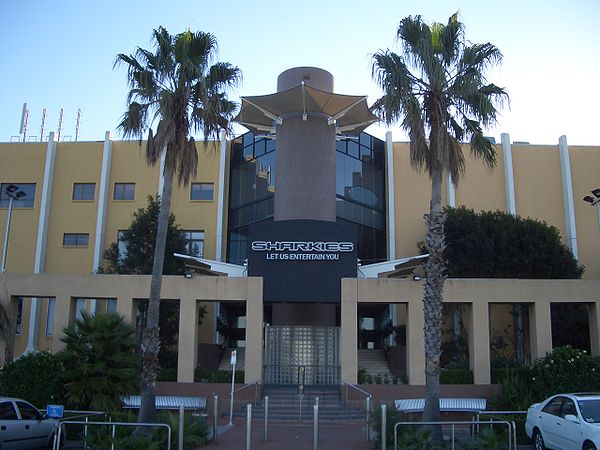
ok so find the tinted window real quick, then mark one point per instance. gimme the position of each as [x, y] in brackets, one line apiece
[28, 412]
[84, 191]
[7, 411]
[568, 407]
[202, 191]
[124, 191]
[590, 410]
[76, 239]
[16, 190]
[553, 406]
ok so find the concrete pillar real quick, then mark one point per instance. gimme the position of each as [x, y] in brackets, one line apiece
[254, 330]
[391, 203]
[540, 329]
[594, 315]
[125, 307]
[451, 187]
[415, 342]
[187, 347]
[509, 175]
[567, 185]
[305, 163]
[63, 311]
[479, 342]
[349, 332]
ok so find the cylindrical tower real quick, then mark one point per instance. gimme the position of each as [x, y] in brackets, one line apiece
[305, 164]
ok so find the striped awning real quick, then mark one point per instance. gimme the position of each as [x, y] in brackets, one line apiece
[167, 402]
[446, 404]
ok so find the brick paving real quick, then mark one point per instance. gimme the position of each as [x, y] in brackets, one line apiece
[285, 436]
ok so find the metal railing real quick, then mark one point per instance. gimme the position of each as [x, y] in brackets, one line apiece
[510, 426]
[347, 384]
[241, 388]
[113, 425]
[499, 414]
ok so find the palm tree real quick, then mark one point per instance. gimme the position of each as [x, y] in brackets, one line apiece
[436, 89]
[176, 86]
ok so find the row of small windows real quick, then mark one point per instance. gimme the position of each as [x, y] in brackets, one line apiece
[87, 192]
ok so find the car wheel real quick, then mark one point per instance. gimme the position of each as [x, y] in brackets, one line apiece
[538, 440]
[589, 446]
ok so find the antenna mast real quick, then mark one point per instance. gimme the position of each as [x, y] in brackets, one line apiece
[43, 123]
[24, 121]
[60, 122]
[78, 123]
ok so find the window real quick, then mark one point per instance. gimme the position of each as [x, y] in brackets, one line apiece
[124, 191]
[553, 406]
[19, 321]
[111, 305]
[7, 411]
[84, 191]
[122, 245]
[50, 317]
[28, 412]
[79, 308]
[24, 202]
[194, 242]
[76, 239]
[202, 191]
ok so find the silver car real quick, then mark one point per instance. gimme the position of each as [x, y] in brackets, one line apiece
[565, 422]
[23, 427]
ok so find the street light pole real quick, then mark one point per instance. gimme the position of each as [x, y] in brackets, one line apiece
[14, 193]
[594, 202]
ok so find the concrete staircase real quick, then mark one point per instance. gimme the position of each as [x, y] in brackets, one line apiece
[285, 405]
[225, 363]
[373, 361]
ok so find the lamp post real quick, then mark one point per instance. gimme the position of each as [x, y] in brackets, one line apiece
[14, 192]
[594, 202]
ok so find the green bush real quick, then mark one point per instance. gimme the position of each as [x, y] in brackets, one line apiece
[166, 374]
[498, 375]
[217, 376]
[456, 376]
[35, 377]
[566, 369]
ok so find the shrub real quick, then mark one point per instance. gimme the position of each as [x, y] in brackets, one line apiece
[217, 376]
[34, 377]
[565, 369]
[456, 376]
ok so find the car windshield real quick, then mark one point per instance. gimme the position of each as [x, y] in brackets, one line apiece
[590, 410]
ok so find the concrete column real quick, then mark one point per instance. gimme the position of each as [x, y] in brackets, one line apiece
[567, 185]
[479, 342]
[415, 342]
[594, 315]
[391, 210]
[219, 235]
[63, 311]
[254, 330]
[42, 239]
[451, 191]
[349, 332]
[125, 307]
[103, 190]
[540, 329]
[509, 175]
[187, 347]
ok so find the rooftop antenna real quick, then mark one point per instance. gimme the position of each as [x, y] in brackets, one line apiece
[24, 121]
[78, 123]
[60, 122]
[43, 123]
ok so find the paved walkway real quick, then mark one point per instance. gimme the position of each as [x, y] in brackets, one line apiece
[332, 436]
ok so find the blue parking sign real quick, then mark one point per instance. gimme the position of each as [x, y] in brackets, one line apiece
[55, 411]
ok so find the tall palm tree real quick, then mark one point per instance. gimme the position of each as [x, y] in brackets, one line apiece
[437, 90]
[177, 87]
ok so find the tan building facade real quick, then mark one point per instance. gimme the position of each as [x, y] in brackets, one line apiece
[81, 194]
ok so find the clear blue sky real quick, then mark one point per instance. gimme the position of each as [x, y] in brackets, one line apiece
[60, 53]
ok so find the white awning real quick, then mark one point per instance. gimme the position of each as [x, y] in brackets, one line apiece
[209, 267]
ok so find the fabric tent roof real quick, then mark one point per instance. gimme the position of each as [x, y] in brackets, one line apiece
[261, 113]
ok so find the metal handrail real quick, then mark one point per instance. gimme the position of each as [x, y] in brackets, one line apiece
[347, 383]
[57, 436]
[255, 384]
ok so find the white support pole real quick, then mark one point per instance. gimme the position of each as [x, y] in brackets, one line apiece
[567, 185]
[42, 239]
[389, 167]
[509, 175]
[221, 198]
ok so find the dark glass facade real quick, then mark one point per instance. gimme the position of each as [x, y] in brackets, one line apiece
[360, 191]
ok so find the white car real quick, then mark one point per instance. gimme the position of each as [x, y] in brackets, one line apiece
[565, 422]
[23, 427]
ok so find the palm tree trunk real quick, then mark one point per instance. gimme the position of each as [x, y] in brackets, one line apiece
[432, 300]
[150, 345]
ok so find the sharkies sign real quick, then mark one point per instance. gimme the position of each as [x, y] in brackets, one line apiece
[302, 260]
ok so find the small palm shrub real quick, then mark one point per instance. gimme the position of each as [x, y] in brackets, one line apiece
[100, 362]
